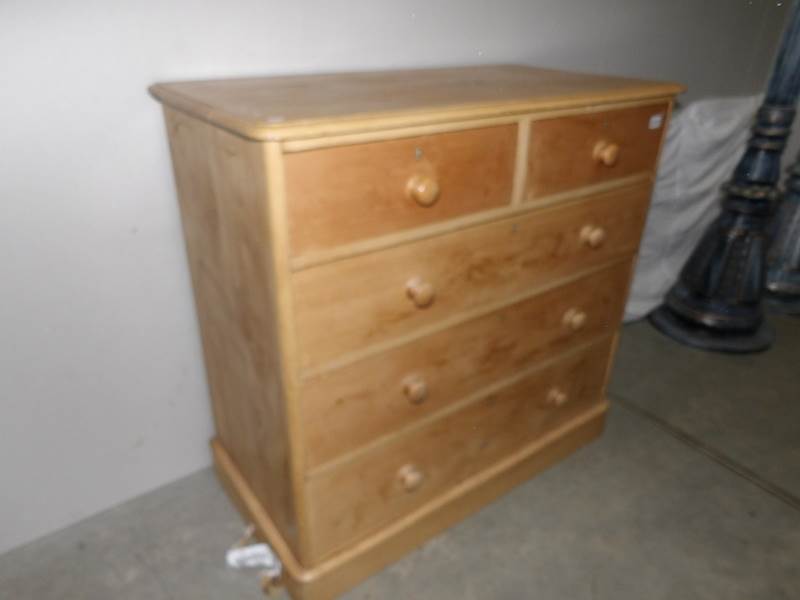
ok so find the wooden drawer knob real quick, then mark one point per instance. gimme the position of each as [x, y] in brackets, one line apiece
[410, 477]
[423, 190]
[415, 389]
[593, 236]
[574, 319]
[556, 397]
[606, 153]
[421, 292]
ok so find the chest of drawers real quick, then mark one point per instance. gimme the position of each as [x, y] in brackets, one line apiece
[408, 286]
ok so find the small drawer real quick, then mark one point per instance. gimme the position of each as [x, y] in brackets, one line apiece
[353, 499]
[349, 193]
[569, 152]
[349, 305]
[354, 405]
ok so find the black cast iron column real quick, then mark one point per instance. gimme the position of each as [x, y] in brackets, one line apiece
[716, 302]
[783, 262]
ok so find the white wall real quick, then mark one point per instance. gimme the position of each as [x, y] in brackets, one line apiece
[102, 392]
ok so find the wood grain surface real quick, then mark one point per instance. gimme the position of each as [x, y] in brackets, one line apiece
[285, 107]
[408, 286]
[357, 497]
[223, 200]
[346, 306]
[349, 193]
[562, 154]
[349, 407]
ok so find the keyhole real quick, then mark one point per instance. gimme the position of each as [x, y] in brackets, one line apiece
[418, 153]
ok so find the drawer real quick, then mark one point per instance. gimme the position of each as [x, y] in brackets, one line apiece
[345, 306]
[350, 193]
[351, 406]
[570, 152]
[353, 499]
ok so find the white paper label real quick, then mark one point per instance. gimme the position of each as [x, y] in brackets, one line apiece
[255, 555]
[656, 121]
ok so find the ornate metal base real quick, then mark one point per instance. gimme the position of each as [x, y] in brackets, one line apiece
[717, 302]
[782, 288]
[784, 305]
[714, 340]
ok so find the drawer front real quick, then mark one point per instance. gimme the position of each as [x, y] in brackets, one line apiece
[351, 304]
[350, 193]
[570, 152]
[358, 497]
[351, 406]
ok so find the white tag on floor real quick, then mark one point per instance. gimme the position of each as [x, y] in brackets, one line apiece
[254, 556]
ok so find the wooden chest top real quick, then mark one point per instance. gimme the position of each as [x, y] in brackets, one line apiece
[298, 106]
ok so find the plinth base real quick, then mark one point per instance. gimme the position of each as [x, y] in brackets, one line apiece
[705, 338]
[784, 305]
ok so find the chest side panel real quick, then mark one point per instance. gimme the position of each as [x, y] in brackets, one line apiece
[223, 201]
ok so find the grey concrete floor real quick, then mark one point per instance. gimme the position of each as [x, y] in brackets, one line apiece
[743, 408]
[690, 494]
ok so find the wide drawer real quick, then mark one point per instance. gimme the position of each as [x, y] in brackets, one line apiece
[350, 193]
[351, 304]
[570, 152]
[351, 500]
[353, 405]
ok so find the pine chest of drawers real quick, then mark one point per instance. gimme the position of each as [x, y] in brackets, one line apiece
[408, 286]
